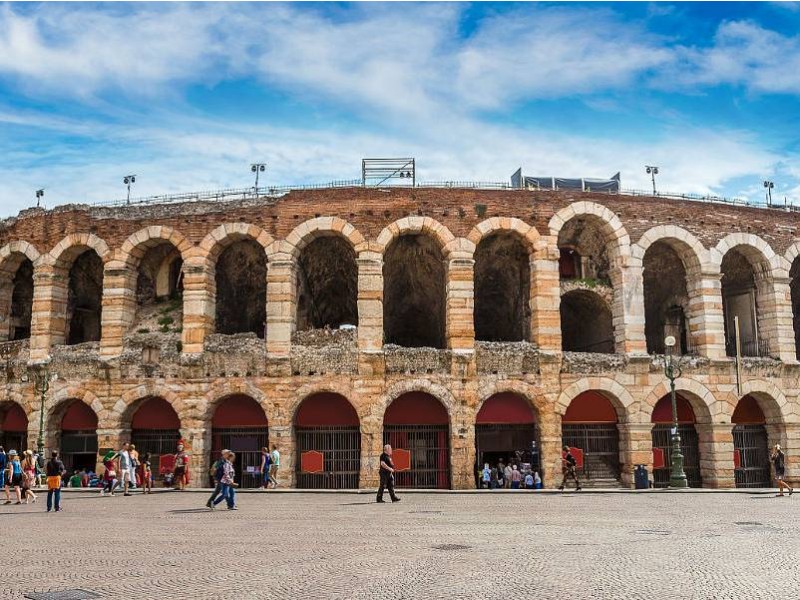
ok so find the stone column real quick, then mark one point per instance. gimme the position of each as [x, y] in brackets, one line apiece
[460, 329]
[776, 305]
[281, 306]
[628, 307]
[635, 448]
[370, 313]
[550, 443]
[281, 433]
[198, 303]
[198, 445]
[716, 454]
[109, 437]
[706, 321]
[118, 306]
[48, 322]
[462, 448]
[545, 296]
[791, 446]
[371, 448]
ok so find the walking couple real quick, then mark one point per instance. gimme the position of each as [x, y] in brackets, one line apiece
[224, 474]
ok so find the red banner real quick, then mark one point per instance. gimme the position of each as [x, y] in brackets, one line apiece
[401, 459]
[737, 459]
[312, 462]
[166, 464]
[658, 458]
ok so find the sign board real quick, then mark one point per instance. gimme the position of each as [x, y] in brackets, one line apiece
[401, 459]
[312, 462]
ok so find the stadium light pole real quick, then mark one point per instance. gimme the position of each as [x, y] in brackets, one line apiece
[128, 180]
[39, 196]
[652, 171]
[258, 168]
[769, 185]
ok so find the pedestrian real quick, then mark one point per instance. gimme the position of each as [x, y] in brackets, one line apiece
[529, 481]
[537, 480]
[181, 472]
[227, 491]
[146, 473]
[216, 472]
[569, 464]
[273, 468]
[134, 465]
[85, 478]
[386, 472]
[493, 482]
[14, 475]
[507, 475]
[110, 481]
[266, 462]
[516, 477]
[779, 464]
[501, 471]
[3, 466]
[28, 476]
[54, 469]
[75, 480]
[486, 476]
[125, 468]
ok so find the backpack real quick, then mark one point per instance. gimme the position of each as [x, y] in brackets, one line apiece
[219, 470]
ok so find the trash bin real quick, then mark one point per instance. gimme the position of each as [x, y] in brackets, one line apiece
[640, 477]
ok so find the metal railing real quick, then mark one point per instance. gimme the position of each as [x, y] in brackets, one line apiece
[752, 348]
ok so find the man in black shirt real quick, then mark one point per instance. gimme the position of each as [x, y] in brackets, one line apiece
[569, 465]
[387, 474]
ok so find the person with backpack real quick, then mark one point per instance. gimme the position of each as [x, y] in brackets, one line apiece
[779, 464]
[569, 464]
[14, 475]
[54, 469]
[266, 462]
[216, 472]
[227, 491]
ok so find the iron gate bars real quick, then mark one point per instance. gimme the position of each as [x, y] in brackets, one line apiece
[341, 447]
[600, 445]
[750, 441]
[246, 442]
[430, 454]
[662, 438]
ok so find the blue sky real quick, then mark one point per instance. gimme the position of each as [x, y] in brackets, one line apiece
[186, 96]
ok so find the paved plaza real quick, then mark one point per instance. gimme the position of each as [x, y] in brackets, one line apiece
[344, 546]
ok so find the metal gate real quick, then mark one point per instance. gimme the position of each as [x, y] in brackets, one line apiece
[79, 449]
[14, 440]
[662, 438]
[750, 442]
[429, 446]
[246, 442]
[511, 443]
[600, 445]
[156, 442]
[341, 447]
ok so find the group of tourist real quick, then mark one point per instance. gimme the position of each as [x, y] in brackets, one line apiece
[22, 476]
[508, 476]
[127, 469]
[223, 474]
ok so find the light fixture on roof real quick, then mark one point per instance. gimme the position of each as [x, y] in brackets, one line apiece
[258, 168]
[769, 185]
[652, 171]
[128, 180]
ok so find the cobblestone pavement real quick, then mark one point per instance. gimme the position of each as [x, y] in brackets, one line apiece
[344, 546]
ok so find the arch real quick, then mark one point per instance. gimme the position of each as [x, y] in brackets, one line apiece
[506, 408]
[67, 394]
[223, 236]
[691, 251]
[587, 322]
[532, 394]
[705, 406]
[19, 247]
[137, 244]
[154, 412]
[308, 231]
[241, 410]
[239, 423]
[610, 224]
[748, 412]
[13, 426]
[440, 392]
[417, 225]
[222, 389]
[17, 260]
[755, 249]
[517, 227]
[773, 402]
[614, 392]
[416, 408]
[132, 399]
[325, 409]
[68, 249]
[590, 407]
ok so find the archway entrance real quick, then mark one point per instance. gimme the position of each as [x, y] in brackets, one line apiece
[239, 424]
[328, 443]
[662, 442]
[750, 445]
[418, 423]
[505, 429]
[590, 424]
[155, 428]
[79, 437]
[13, 427]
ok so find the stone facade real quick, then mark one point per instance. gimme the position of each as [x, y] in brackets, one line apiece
[197, 368]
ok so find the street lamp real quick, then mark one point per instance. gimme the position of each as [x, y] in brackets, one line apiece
[128, 180]
[39, 196]
[769, 185]
[677, 477]
[258, 168]
[652, 171]
[41, 383]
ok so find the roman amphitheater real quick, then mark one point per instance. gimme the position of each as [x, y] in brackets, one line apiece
[461, 325]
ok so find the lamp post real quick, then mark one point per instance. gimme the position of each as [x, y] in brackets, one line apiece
[677, 477]
[128, 180]
[258, 168]
[652, 171]
[41, 383]
[769, 186]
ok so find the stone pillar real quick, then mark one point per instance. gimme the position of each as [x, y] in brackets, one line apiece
[110, 437]
[635, 448]
[545, 296]
[706, 321]
[776, 304]
[370, 313]
[716, 454]
[48, 323]
[7, 273]
[118, 306]
[371, 448]
[628, 307]
[281, 433]
[198, 445]
[550, 443]
[198, 303]
[281, 305]
[462, 448]
[790, 442]
[460, 329]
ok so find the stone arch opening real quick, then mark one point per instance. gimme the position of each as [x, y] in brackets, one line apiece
[84, 298]
[414, 294]
[241, 289]
[745, 288]
[417, 426]
[328, 441]
[586, 322]
[77, 434]
[666, 298]
[583, 250]
[327, 284]
[502, 289]
[794, 287]
[750, 444]
[155, 429]
[240, 424]
[159, 289]
[590, 425]
[662, 441]
[13, 426]
[507, 432]
[16, 298]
